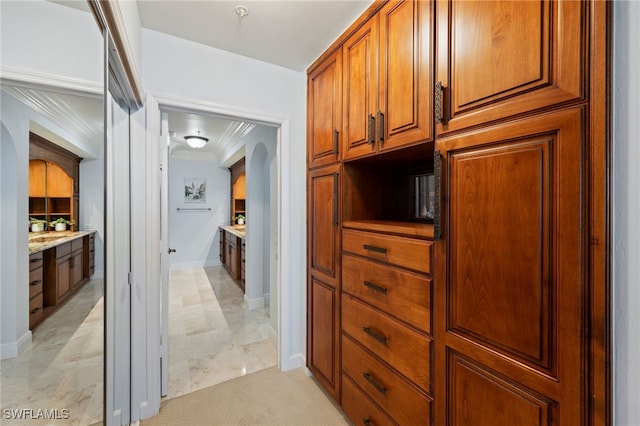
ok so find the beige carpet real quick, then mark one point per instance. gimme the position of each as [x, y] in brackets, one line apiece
[268, 397]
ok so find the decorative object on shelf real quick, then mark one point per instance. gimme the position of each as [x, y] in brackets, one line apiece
[37, 225]
[196, 141]
[195, 190]
[60, 224]
[240, 219]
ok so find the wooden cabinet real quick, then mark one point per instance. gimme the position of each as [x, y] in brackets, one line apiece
[323, 281]
[498, 313]
[58, 268]
[75, 264]
[88, 256]
[324, 111]
[232, 256]
[238, 190]
[36, 305]
[387, 78]
[53, 181]
[242, 264]
[502, 59]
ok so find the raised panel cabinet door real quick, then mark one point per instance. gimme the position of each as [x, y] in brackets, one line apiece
[512, 287]
[76, 268]
[323, 335]
[63, 277]
[59, 183]
[37, 178]
[360, 90]
[405, 110]
[323, 223]
[499, 59]
[324, 111]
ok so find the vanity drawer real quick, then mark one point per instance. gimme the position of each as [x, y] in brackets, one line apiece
[35, 310]
[402, 294]
[402, 347]
[76, 244]
[408, 253]
[35, 260]
[359, 407]
[402, 401]
[35, 282]
[63, 250]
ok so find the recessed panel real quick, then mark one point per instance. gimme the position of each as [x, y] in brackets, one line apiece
[323, 339]
[323, 239]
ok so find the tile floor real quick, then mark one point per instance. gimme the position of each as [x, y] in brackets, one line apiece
[212, 338]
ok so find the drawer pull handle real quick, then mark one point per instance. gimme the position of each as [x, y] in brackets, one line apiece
[374, 383]
[375, 287]
[374, 248]
[36, 310]
[35, 260]
[379, 337]
[36, 282]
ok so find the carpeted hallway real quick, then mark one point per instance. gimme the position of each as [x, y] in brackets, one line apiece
[268, 397]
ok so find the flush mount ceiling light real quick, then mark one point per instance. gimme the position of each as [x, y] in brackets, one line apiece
[196, 141]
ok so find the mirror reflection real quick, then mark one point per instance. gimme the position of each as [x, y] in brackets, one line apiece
[51, 165]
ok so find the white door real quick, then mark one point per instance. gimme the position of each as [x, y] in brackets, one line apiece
[164, 254]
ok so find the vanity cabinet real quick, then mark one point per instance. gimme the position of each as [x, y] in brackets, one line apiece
[36, 300]
[387, 80]
[58, 263]
[232, 256]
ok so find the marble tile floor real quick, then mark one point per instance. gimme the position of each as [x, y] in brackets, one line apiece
[62, 368]
[212, 338]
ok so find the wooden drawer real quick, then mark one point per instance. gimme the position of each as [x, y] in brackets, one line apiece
[35, 260]
[76, 244]
[404, 295]
[63, 250]
[402, 401]
[401, 251]
[402, 347]
[35, 310]
[359, 407]
[35, 282]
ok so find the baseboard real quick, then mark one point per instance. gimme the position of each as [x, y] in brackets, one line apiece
[97, 275]
[194, 265]
[295, 361]
[13, 349]
[254, 303]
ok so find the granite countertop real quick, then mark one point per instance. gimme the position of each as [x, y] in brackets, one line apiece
[40, 241]
[237, 230]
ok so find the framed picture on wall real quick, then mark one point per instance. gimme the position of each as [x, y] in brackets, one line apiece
[195, 190]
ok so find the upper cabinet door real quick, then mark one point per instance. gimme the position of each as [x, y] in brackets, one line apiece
[360, 93]
[499, 59]
[324, 109]
[406, 74]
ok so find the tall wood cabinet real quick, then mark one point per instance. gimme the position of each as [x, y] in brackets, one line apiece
[495, 313]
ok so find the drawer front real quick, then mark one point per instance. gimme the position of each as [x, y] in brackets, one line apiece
[35, 260]
[63, 249]
[359, 407]
[403, 402]
[76, 244]
[405, 252]
[35, 282]
[402, 347]
[35, 310]
[404, 295]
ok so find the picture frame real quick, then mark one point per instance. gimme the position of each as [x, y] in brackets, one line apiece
[195, 190]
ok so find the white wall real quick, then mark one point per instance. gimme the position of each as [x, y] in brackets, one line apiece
[237, 83]
[194, 234]
[626, 213]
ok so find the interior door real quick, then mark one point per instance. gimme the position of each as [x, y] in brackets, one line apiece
[164, 254]
[512, 286]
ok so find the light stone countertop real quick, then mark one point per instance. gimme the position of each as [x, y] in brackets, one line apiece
[40, 241]
[237, 230]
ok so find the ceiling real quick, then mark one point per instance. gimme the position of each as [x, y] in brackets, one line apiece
[291, 34]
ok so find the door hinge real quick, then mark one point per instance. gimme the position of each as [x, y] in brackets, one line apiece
[130, 278]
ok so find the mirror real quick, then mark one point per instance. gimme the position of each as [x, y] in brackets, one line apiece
[52, 87]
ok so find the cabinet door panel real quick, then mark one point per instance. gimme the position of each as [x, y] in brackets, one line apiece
[63, 277]
[76, 268]
[324, 109]
[406, 82]
[512, 285]
[503, 58]
[360, 79]
[323, 223]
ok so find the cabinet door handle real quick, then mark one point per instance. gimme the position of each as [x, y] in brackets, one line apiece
[439, 104]
[372, 130]
[374, 383]
[35, 260]
[437, 174]
[36, 310]
[375, 287]
[36, 282]
[374, 248]
[336, 135]
[380, 119]
[379, 337]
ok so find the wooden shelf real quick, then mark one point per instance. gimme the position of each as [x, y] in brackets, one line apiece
[412, 229]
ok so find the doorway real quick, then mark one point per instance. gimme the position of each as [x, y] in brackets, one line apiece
[215, 331]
